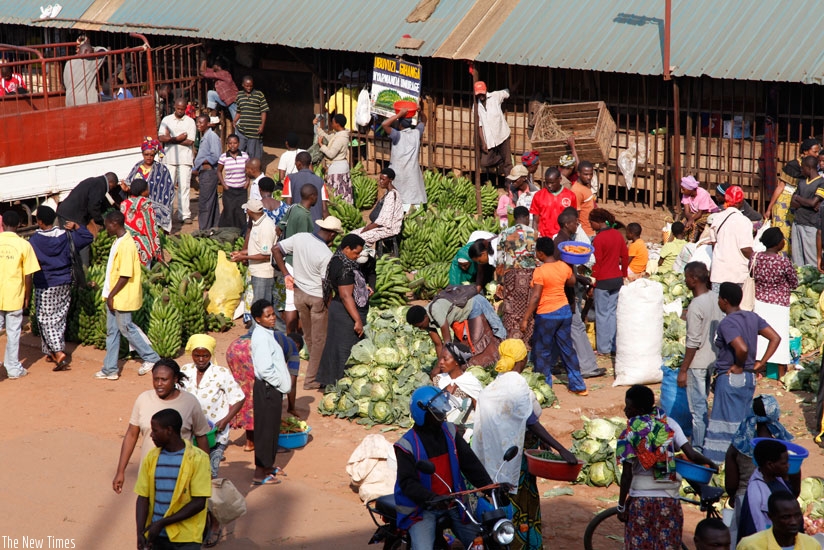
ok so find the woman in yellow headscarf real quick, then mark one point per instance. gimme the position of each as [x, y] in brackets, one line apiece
[508, 414]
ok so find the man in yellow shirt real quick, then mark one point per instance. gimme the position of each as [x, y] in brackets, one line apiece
[785, 514]
[173, 486]
[123, 293]
[17, 263]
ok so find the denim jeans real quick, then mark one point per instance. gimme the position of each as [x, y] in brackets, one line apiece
[213, 100]
[606, 323]
[552, 338]
[423, 533]
[481, 306]
[11, 360]
[216, 456]
[697, 390]
[120, 322]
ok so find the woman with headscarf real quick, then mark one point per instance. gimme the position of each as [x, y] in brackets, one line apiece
[567, 165]
[346, 294]
[140, 222]
[509, 414]
[779, 208]
[698, 205]
[463, 269]
[531, 161]
[387, 216]
[649, 484]
[464, 388]
[762, 421]
[159, 180]
[775, 278]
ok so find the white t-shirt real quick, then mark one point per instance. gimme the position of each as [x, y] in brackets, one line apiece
[733, 232]
[262, 238]
[310, 257]
[254, 189]
[644, 478]
[287, 161]
[177, 153]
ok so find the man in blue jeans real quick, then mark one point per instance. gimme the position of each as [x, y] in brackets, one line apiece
[123, 293]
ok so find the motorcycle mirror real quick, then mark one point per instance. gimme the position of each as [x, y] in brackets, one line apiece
[425, 467]
[510, 453]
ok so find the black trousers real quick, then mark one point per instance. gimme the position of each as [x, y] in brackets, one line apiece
[268, 407]
[208, 209]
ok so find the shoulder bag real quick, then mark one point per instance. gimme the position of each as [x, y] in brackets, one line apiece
[78, 273]
[748, 300]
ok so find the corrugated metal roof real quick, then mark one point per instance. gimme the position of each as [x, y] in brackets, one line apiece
[21, 12]
[734, 39]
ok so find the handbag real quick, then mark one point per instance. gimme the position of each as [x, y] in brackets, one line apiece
[78, 272]
[748, 299]
[226, 503]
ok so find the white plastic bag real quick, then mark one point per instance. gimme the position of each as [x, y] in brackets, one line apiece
[630, 158]
[757, 245]
[638, 354]
[362, 114]
[372, 467]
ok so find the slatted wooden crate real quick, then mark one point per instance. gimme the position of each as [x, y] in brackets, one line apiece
[590, 124]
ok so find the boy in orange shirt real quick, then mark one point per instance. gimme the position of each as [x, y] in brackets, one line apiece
[553, 316]
[637, 251]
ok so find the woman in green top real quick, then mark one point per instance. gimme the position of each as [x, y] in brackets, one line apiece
[463, 269]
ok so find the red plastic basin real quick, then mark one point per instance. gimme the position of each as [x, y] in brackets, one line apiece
[558, 470]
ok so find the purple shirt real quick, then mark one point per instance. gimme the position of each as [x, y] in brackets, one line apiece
[745, 324]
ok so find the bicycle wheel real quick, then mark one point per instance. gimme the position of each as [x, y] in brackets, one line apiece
[605, 531]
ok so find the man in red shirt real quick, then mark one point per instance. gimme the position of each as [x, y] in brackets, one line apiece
[549, 202]
[11, 83]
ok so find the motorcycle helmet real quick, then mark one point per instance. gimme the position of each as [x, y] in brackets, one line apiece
[428, 398]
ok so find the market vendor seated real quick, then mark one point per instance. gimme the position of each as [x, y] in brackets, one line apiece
[476, 324]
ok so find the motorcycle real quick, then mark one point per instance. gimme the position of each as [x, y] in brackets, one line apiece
[496, 531]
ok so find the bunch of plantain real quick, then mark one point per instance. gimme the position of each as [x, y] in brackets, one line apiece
[165, 326]
[392, 284]
[218, 323]
[92, 309]
[100, 248]
[349, 216]
[365, 190]
[435, 278]
[191, 303]
[196, 255]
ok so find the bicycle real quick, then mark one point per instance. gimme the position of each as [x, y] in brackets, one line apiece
[610, 531]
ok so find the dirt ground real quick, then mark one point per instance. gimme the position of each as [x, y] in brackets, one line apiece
[60, 450]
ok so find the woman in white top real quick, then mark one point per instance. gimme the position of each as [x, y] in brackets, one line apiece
[464, 388]
[335, 151]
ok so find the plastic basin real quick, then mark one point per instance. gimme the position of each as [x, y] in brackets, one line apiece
[693, 472]
[294, 441]
[211, 437]
[572, 257]
[410, 105]
[558, 470]
[797, 453]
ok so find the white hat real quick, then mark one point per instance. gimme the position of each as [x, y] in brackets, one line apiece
[253, 205]
[330, 223]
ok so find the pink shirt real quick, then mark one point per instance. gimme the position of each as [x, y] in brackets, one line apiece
[702, 201]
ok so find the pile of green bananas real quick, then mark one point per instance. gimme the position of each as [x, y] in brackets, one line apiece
[100, 247]
[218, 323]
[392, 284]
[165, 326]
[349, 216]
[91, 308]
[195, 255]
[447, 191]
[435, 278]
[190, 301]
[365, 190]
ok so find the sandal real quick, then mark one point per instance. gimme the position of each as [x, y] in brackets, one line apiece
[268, 480]
[62, 365]
[213, 538]
[278, 471]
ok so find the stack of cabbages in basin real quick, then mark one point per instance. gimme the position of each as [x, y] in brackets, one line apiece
[385, 368]
[595, 444]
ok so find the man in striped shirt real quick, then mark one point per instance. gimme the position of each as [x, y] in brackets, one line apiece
[251, 118]
[174, 484]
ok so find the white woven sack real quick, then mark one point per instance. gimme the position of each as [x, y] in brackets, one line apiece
[640, 335]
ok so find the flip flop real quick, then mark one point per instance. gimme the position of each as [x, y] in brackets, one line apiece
[62, 365]
[49, 359]
[278, 471]
[213, 538]
[268, 480]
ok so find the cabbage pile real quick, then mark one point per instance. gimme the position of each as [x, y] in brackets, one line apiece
[805, 379]
[811, 500]
[805, 308]
[386, 367]
[595, 444]
[675, 336]
[674, 287]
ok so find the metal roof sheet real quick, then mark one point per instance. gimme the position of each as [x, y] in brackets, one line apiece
[734, 39]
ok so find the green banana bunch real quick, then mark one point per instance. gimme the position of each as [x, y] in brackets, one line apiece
[100, 248]
[436, 278]
[165, 326]
[92, 309]
[349, 216]
[218, 323]
[190, 301]
[392, 284]
[365, 190]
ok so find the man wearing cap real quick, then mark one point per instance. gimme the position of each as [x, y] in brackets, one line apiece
[733, 246]
[805, 203]
[519, 185]
[310, 257]
[258, 251]
[549, 202]
[493, 130]
[403, 158]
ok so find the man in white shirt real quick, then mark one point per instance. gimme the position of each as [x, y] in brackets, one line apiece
[310, 257]
[733, 242]
[493, 130]
[286, 164]
[258, 252]
[254, 174]
[177, 134]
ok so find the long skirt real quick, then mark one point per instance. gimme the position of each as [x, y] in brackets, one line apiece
[516, 294]
[778, 317]
[52, 305]
[232, 215]
[782, 217]
[340, 181]
[654, 523]
[239, 361]
[526, 505]
[733, 398]
[339, 342]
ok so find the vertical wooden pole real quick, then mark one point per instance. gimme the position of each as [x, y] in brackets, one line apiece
[676, 145]
[476, 129]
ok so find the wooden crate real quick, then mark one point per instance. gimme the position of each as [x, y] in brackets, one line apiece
[590, 124]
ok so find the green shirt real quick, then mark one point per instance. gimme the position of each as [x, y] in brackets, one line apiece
[297, 220]
[250, 107]
[669, 252]
[458, 276]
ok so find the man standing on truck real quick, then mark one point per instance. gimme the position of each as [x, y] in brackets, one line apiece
[80, 77]
[177, 133]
